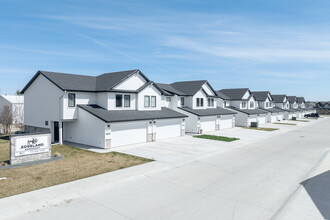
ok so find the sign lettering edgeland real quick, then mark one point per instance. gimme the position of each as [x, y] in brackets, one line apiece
[32, 145]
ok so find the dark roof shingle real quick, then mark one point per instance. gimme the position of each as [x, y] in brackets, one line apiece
[130, 115]
[209, 111]
[234, 94]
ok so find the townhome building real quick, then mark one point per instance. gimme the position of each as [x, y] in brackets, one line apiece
[105, 111]
[197, 99]
[302, 105]
[264, 101]
[243, 102]
[281, 102]
[294, 105]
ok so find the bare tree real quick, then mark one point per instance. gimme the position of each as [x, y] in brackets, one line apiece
[6, 120]
[18, 113]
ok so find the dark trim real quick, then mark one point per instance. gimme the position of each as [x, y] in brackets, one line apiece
[34, 78]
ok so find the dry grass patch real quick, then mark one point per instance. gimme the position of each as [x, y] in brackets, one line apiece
[261, 129]
[279, 123]
[77, 164]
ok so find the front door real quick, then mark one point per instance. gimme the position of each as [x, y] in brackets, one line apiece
[56, 132]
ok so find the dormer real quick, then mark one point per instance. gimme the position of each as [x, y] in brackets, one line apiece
[263, 99]
[198, 94]
[239, 98]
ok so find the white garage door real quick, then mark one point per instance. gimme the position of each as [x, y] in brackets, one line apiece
[280, 117]
[226, 123]
[261, 120]
[168, 128]
[273, 118]
[208, 124]
[128, 133]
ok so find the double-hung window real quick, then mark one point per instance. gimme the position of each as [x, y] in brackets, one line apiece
[146, 101]
[72, 100]
[210, 102]
[119, 100]
[243, 104]
[198, 102]
[182, 101]
[168, 99]
[153, 101]
[202, 102]
[251, 104]
[127, 101]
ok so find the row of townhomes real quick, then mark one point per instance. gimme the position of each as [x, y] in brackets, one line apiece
[122, 108]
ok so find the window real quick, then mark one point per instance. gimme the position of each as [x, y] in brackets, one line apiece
[168, 99]
[127, 101]
[153, 101]
[146, 101]
[243, 104]
[199, 102]
[251, 105]
[46, 123]
[119, 100]
[72, 100]
[182, 101]
[267, 104]
[210, 102]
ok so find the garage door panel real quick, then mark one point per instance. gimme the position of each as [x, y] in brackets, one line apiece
[261, 120]
[226, 123]
[208, 125]
[168, 128]
[128, 133]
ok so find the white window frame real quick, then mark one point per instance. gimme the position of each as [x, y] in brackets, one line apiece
[69, 100]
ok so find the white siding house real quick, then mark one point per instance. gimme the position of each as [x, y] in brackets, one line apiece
[244, 103]
[15, 103]
[265, 102]
[199, 101]
[110, 110]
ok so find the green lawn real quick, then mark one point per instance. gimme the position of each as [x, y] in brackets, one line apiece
[261, 129]
[217, 138]
[278, 123]
[77, 164]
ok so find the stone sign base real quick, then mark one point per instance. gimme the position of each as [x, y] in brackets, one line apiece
[30, 147]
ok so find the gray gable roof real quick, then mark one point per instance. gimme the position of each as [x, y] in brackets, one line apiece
[278, 98]
[190, 88]
[234, 94]
[273, 110]
[222, 96]
[72, 82]
[300, 100]
[169, 89]
[209, 111]
[256, 111]
[130, 115]
[260, 95]
[292, 99]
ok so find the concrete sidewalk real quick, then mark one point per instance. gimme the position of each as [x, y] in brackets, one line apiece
[311, 200]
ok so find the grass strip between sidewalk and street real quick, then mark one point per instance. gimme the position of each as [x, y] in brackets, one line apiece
[278, 123]
[76, 164]
[217, 138]
[299, 120]
[261, 129]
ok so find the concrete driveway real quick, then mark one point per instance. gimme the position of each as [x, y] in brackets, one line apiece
[191, 179]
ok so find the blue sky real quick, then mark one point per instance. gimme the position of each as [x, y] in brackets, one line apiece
[280, 46]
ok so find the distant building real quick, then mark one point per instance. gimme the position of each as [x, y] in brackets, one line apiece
[16, 104]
